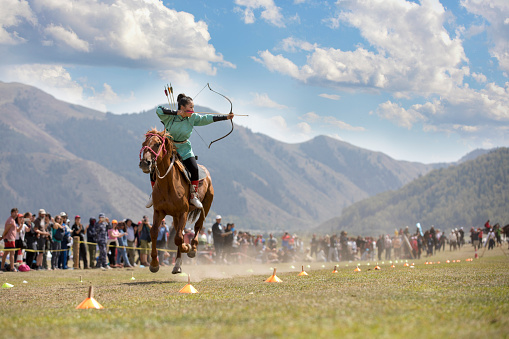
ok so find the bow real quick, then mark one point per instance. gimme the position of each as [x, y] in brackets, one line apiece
[231, 111]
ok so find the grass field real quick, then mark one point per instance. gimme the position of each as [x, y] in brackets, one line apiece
[446, 300]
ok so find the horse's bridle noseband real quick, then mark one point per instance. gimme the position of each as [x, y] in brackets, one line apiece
[161, 149]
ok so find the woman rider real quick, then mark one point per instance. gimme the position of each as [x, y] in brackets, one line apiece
[179, 124]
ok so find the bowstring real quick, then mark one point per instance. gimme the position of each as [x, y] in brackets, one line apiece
[187, 119]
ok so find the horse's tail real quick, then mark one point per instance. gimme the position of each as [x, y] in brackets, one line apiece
[194, 214]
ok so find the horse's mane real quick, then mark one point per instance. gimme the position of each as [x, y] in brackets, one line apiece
[162, 133]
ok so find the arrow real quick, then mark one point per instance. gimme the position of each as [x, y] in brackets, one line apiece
[237, 115]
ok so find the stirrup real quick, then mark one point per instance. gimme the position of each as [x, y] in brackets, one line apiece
[149, 202]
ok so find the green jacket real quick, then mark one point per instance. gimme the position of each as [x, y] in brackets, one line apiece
[180, 128]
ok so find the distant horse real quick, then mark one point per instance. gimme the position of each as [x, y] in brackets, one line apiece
[505, 232]
[170, 194]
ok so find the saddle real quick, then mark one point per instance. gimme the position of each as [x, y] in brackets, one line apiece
[202, 174]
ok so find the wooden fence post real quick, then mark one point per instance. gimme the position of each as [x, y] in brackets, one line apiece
[76, 252]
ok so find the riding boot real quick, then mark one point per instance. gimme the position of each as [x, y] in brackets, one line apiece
[149, 203]
[194, 199]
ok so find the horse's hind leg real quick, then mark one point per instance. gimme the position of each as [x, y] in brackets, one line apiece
[194, 241]
[207, 202]
[179, 224]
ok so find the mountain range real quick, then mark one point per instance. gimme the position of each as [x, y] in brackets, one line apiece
[64, 157]
[463, 195]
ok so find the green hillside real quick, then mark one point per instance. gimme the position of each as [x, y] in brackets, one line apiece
[464, 195]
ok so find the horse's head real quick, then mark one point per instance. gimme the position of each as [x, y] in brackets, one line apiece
[154, 148]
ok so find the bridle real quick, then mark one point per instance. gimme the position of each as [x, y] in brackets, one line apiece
[162, 151]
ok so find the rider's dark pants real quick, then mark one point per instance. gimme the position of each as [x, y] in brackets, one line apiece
[192, 167]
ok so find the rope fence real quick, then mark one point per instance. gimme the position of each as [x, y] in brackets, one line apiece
[80, 242]
[77, 242]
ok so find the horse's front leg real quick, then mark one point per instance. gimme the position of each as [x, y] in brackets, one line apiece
[178, 263]
[154, 263]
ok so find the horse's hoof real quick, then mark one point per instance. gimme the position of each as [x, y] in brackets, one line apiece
[176, 270]
[154, 269]
[191, 254]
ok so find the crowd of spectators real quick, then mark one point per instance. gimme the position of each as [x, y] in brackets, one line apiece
[224, 244]
[103, 244]
[106, 244]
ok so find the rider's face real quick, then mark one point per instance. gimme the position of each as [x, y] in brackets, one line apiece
[189, 107]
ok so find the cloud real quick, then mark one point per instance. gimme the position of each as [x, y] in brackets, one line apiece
[397, 114]
[330, 96]
[292, 44]
[314, 118]
[336, 136]
[57, 81]
[67, 37]
[304, 127]
[279, 122]
[408, 53]
[270, 12]
[101, 99]
[411, 51]
[263, 100]
[496, 13]
[311, 117]
[52, 79]
[479, 77]
[142, 34]
[15, 12]
[486, 109]
[278, 63]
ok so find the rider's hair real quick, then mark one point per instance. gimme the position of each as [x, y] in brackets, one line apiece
[183, 100]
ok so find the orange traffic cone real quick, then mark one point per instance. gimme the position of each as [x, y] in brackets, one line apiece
[335, 269]
[377, 267]
[357, 269]
[406, 264]
[303, 272]
[274, 278]
[90, 302]
[393, 266]
[188, 288]
[447, 261]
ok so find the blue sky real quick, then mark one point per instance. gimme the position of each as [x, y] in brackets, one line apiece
[422, 80]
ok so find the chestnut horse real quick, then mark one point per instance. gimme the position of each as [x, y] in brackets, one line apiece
[170, 194]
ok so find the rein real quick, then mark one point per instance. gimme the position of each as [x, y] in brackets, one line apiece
[169, 168]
